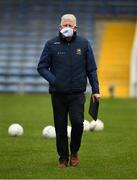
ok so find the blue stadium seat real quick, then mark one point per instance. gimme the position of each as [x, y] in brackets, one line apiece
[25, 26]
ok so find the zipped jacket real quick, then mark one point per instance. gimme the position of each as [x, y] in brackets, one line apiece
[67, 65]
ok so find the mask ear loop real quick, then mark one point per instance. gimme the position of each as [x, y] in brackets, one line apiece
[60, 27]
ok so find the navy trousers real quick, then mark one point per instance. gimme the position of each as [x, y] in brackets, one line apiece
[65, 105]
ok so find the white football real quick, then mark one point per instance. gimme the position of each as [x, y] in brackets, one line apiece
[99, 126]
[15, 130]
[92, 125]
[69, 131]
[49, 132]
[86, 125]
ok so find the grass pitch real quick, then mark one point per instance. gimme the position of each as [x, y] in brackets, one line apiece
[111, 153]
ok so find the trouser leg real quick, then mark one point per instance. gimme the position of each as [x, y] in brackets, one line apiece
[60, 111]
[76, 113]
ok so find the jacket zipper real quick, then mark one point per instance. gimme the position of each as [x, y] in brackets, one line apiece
[69, 46]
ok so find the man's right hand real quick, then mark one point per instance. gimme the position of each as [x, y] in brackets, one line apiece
[95, 96]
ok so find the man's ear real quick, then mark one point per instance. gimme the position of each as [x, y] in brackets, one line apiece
[60, 27]
[75, 28]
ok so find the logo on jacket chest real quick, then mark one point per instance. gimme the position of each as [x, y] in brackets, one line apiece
[61, 52]
[78, 51]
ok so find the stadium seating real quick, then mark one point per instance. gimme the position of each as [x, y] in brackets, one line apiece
[27, 25]
[114, 60]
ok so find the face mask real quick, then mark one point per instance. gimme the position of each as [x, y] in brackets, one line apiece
[67, 32]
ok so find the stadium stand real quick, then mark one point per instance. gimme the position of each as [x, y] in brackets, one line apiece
[133, 67]
[27, 24]
[114, 60]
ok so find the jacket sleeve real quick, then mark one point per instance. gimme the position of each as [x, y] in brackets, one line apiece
[44, 65]
[91, 70]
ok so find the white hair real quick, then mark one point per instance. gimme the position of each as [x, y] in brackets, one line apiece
[69, 16]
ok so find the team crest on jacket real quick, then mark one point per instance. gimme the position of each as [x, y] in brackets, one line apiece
[78, 51]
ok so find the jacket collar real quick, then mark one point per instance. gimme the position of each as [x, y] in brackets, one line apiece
[62, 38]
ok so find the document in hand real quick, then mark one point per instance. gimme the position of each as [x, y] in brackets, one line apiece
[93, 108]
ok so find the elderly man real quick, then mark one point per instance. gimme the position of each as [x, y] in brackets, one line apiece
[66, 62]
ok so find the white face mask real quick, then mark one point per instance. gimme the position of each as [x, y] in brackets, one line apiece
[67, 32]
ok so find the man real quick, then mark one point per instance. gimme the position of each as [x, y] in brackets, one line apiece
[66, 62]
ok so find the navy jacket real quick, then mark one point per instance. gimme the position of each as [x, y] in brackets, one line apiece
[66, 65]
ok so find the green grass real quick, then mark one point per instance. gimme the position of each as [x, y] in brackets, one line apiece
[111, 153]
